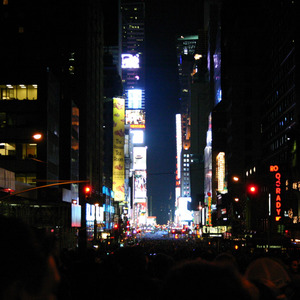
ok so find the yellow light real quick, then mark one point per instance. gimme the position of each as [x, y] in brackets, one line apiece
[235, 178]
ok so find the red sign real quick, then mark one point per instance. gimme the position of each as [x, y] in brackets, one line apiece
[275, 169]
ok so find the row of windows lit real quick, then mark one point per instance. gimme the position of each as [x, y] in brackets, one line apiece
[284, 104]
[281, 141]
[250, 171]
[24, 151]
[18, 92]
[282, 123]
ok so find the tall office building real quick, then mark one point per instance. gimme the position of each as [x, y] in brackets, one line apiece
[280, 116]
[186, 50]
[132, 22]
[51, 83]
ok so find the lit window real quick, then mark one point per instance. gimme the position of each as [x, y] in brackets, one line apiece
[7, 149]
[29, 151]
[18, 92]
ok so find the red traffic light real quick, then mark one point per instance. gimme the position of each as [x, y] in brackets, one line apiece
[252, 189]
[87, 189]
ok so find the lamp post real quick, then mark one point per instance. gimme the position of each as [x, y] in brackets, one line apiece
[37, 136]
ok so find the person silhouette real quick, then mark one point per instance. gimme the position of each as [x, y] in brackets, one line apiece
[27, 272]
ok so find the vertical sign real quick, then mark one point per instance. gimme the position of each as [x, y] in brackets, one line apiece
[209, 221]
[277, 188]
[221, 172]
[118, 148]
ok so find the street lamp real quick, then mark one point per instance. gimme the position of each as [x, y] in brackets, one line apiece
[37, 136]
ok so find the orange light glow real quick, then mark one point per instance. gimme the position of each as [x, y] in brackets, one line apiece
[37, 136]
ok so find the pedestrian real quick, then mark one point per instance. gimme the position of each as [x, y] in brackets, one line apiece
[27, 272]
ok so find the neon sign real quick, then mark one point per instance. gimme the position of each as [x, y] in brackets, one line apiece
[275, 169]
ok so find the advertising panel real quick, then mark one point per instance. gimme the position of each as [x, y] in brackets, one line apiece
[130, 61]
[178, 152]
[118, 148]
[140, 184]
[137, 136]
[139, 158]
[135, 98]
[135, 118]
[222, 187]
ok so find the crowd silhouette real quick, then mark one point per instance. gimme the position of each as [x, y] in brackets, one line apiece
[32, 267]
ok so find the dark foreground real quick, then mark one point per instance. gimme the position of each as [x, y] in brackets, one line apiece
[165, 268]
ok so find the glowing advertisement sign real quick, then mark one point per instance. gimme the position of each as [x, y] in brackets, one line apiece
[118, 148]
[135, 118]
[277, 188]
[130, 61]
[209, 223]
[178, 149]
[139, 158]
[140, 185]
[221, 172]
[182, 211]
[137, 136]
[135, 98]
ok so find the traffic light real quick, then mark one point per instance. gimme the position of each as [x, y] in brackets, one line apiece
[87, 190]
[252, 189]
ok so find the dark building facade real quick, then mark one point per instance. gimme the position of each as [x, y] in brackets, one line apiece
[53, 52]
[258, 80]
[280, 115]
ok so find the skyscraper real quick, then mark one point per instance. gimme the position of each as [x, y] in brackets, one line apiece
[51, 82]
[132, 17]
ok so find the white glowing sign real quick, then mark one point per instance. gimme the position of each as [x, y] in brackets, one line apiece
[135, 98]
[140, 185]
[178, 142]
[221, 172]
[139, 158]
[130, 61]
[137, 136]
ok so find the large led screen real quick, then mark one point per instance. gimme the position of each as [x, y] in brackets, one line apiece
[137, 136]
[135, 118]
[130, 61]
[135, 98]
[140, 185]
[118, 148]
[139, 158]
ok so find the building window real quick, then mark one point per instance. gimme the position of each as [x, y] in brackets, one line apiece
[18, 92]
[29, 151]
[26, 178]
[7, 149]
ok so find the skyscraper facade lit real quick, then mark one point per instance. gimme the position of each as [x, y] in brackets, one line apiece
[186, 49]
[132, 40]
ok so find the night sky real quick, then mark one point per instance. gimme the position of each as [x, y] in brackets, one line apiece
[165, 21]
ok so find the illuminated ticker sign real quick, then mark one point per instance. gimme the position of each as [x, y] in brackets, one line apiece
[275, 169]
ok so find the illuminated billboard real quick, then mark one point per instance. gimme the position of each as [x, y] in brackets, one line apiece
[135, 98]
[140, 184]
[222, 186]
[137, 136]
[277, 191]
[130, 61]
[178, 152]
[135, 118]
[139, 158]
[118, 148]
